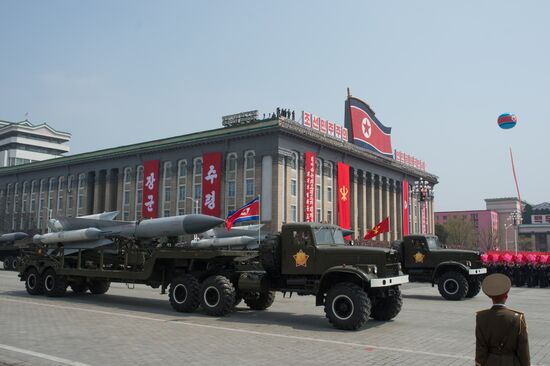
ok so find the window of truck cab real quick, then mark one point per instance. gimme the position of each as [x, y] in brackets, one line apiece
[328, 236]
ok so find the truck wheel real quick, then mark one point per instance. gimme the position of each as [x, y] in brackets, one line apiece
[99, 286]
[259, 300]
[217, 296]
[347, 306]
[33, 282]
[79, 287]
[15, 263]
[54, 284]
[184, 294]
[474, 286]
[387, 308]
[452, 285]
[7, 263]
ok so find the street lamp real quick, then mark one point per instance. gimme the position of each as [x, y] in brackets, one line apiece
[516, 218]
[423, 191]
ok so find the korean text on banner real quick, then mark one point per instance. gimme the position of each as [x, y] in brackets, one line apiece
[211, 183]
[405, 207]
[150, 205]
[343, 196]
[309, 203]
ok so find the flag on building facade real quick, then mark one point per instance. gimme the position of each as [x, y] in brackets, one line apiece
[382, 227]
[343, 196]
[250, 211]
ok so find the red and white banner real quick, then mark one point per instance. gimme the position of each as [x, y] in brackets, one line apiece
[149, 208]
[309, 203]
[315, 124]
[338, 131]
[330, 128]
[405, 207]
[211, 183]
[343, 196]
[345, 134]
[307, 119]
[323, 126]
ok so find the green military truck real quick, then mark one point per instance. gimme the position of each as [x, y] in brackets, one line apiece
[353, 284]
[457, 273]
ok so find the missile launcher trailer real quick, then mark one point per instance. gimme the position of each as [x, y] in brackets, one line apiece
[352, 283]
[10, 251]
[457, 273]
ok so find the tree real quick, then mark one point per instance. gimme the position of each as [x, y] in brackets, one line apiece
[488, 239]
[461, 233]
[527, 212]
[441, 233]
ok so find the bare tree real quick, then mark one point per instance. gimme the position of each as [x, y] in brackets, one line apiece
[462, 233]
[488, 239]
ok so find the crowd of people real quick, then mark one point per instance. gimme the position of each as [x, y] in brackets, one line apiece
[531, 269]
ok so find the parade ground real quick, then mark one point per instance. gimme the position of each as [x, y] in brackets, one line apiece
[138, 327]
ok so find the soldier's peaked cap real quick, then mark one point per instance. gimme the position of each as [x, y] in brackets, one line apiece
[496, 284]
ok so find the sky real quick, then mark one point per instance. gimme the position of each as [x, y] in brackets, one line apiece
[439, 73]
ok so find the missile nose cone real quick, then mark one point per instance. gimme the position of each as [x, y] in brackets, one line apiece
[195, 224]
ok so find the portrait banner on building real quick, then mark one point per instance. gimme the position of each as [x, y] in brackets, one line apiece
[211, 183]
[405, 207]
[309, 196]
[343, 196]
[149, 208]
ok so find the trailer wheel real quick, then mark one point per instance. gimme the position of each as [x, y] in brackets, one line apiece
[347, 306]
[7, 263]
[99, 286]
[387, 308]
[33, 282]
[474, 286]
[79, 287]
[15, 263]
[217, 296]
[184, 293]
[452, 285]
[259, 300]
[54, 284]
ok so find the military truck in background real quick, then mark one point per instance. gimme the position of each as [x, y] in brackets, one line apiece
[457, 273]
[11, 250]
[352, 283]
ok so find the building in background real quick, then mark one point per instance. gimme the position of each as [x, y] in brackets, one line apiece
[22, 142]
[538, 231]
[504, 208]
[486, 223]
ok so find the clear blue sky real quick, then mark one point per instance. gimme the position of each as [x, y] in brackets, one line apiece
[438, 72]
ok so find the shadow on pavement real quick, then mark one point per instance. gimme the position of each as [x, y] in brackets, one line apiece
[424, 297]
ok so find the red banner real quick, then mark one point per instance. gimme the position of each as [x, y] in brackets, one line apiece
[149, 208]
[405, 207]
[343, 196]
[315, 124]
[309, 203]
[211, 183]
[424, 218]
[307, 119]
[382, 227]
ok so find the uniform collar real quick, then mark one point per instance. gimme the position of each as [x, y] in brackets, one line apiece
[499, 306]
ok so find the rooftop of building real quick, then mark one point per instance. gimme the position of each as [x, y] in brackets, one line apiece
[268, 125]
[541, 206]
[501, 199]
[461, 211]
[28, 126]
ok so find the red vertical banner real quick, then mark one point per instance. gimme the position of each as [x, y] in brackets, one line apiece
[211, 183]
[405, 207]
[309, 196]
[424, 217]
[149, 209]
[343, 196]
[323, 126]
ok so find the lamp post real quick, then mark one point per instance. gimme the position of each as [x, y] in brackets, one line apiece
[516, 218]
[423, 191]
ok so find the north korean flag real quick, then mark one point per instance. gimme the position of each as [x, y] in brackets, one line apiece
[250, 211]
[366, 130]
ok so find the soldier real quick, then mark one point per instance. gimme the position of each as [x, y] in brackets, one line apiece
[501, 333]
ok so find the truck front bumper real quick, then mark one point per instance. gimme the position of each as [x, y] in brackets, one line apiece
[477, 271]
[389, 281]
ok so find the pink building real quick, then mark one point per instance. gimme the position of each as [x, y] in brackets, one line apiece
[485, 221]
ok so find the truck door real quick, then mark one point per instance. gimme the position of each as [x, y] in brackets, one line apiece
[416, 253]
[298, 254]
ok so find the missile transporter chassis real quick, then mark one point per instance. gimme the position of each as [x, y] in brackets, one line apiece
[353, 284]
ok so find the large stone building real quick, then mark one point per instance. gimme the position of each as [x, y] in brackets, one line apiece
[22, 142]
[264, 158]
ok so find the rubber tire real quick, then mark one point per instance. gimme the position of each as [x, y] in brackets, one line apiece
[99, 286]
[260, 300]
[459, 279]
[15, 263]
[359, 299]
[58, 286]
[474, 286]
[192, 287]
[225, 296]
[387, 308]
[79, 287]
[7, 263]
[38, 287]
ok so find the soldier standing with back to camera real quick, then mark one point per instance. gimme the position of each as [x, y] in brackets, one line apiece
[501, 333]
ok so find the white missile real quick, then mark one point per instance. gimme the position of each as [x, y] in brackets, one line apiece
[68, 236]
[236, 241]
[11, 237]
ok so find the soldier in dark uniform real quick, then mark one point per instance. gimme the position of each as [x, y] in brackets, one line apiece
[501, 333]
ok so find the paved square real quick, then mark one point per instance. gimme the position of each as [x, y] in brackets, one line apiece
[138, 327]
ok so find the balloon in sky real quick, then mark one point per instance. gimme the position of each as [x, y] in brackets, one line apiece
[507, 121]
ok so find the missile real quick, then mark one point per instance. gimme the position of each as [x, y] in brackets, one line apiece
[60, 224]
[102, 216]
[11, 237]
[68, 236]
[248, 230]
[236, 241]
[175, 226]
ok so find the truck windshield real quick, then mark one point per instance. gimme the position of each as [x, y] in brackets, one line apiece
[329, 236]
[433, 242]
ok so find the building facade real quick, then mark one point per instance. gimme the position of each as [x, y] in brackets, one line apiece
[265, 158]
[486, 223]
[23, 142]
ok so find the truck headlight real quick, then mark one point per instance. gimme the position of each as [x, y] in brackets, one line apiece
[468, 263]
